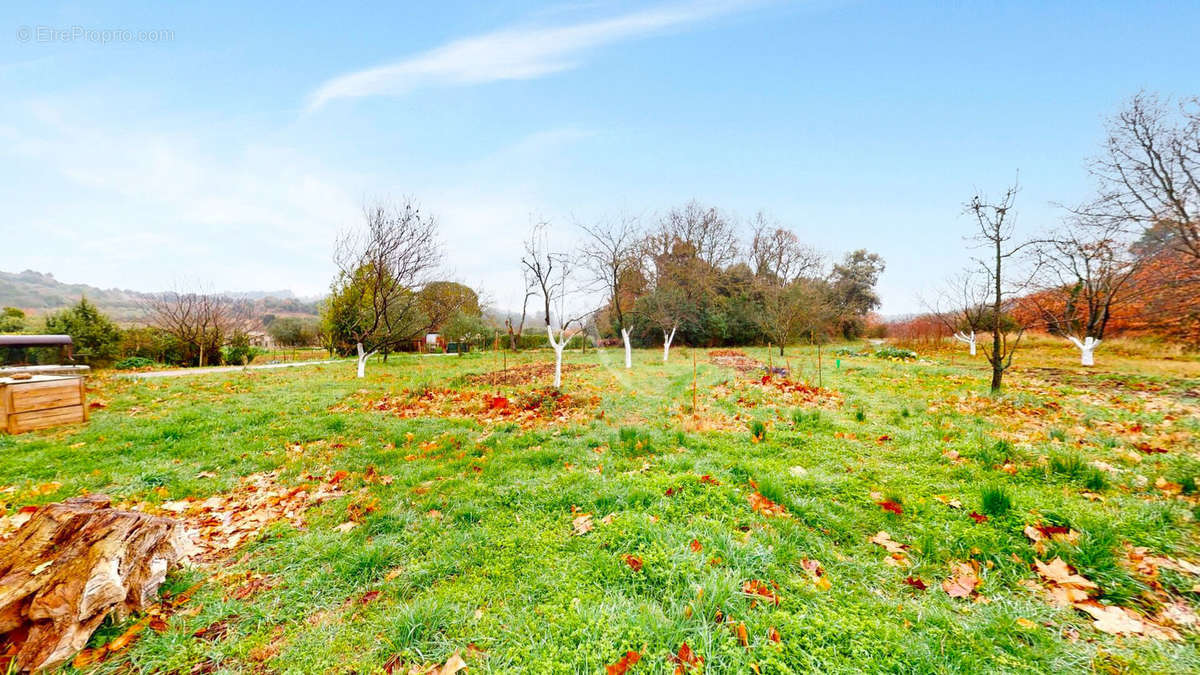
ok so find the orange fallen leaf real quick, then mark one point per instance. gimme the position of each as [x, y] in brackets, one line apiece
[623, 664]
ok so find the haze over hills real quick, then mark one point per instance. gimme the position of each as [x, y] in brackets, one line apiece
[39, 293]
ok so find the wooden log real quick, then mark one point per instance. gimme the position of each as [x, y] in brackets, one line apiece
[75, 563]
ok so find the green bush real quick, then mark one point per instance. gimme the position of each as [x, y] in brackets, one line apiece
[133, 363]
[895, 353]
[96, 338]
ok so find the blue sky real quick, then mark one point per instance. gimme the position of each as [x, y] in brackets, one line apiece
[230, 150]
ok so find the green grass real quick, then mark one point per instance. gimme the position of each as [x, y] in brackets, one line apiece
[501, 569]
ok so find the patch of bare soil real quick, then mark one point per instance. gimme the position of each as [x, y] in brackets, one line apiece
[537, 407]
[530, 373]
[734, 358]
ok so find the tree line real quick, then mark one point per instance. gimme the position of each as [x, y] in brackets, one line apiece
[687, 275]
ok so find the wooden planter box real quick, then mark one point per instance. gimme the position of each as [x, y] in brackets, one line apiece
[40, 402]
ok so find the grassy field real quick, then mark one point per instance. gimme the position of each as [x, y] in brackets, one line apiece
[530, 532]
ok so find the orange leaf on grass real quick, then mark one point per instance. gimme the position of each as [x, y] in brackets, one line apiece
[695, 546]
[634, 562]
[623, 664]
[978, 517]
[743, 636]
[685, 659]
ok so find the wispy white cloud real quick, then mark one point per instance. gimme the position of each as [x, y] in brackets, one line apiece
[521, 53]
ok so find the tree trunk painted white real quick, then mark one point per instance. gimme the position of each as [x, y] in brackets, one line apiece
[362, 359]
[667, 338]
[558, 352]
[968, 339]
[628, 348]
[1087, 349]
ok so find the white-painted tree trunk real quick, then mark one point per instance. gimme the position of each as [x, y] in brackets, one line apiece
[362, 359]
[968, 339]
[1087, 349]
[628, 348]
[667, 338]
[558, 352]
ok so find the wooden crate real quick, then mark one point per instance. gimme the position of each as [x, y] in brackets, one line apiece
[40, 402]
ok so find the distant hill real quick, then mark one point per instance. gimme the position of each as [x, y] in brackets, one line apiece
[38, 293]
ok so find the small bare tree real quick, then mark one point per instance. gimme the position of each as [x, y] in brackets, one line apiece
[787, 312]
[202, 322]
[514, 332]
[996, 224]
[1086, 273]
[610, 254]
[1149, 171]
[551, 274]
[963, 308]
[381, 268]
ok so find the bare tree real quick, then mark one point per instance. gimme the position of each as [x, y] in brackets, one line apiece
[610, 253]
[1149, 171]
[381, 268]
[514, 334]
[963, 308]
[776, 253]
[996, 224]
[202, 322]
[551, 274]
[788, 311]
[1086, 273]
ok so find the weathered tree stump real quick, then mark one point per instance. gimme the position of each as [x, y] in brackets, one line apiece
[73, 564]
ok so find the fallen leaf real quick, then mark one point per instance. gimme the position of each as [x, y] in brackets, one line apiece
[978, 517]
[634, 562]
[743, 637]
[623, 664]
[948, 501]
[695, 546]
[891, 506]
[962, 582]
[685, 659]
[915, 583]
[582, 524]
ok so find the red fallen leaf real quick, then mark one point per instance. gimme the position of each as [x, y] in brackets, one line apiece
[634, 562]
[1051, 530]
[339, 477]
[883, 439]
[97, 404]
[695, 546]
[215, 630]
[915, 583]
[623, 664]
[978, 517]
[773, 635]
[891, 506]
[766, 379]
[709, 479]
[158, 624]
[27, 509]
[670, 492]
[368, 597]
[1149, 449]
[497, 403]
[686, 659]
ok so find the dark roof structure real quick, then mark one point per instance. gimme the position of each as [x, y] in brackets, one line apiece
[35, 340]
